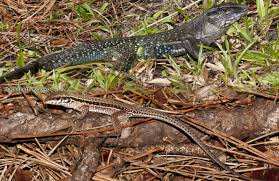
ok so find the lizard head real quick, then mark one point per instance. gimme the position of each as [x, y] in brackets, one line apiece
[218, 19]
[59, 100]
[226, 14]
[211, 25]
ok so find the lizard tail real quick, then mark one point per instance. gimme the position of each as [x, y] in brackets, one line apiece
[33, 67]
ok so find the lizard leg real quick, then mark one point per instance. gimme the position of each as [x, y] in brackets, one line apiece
[117, 120]
[123, 63]
[122, 59]
[121, 118]
[191, 46]
[83, 111]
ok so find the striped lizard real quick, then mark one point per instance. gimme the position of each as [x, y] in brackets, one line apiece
[119, 110]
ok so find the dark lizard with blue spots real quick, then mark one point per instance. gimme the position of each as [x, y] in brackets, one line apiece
[122, 52]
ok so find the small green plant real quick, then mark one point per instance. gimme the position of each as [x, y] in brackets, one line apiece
[95, 17]
[256, 57]
[226, 60]
[200, 65]
[4, 26]
[106, 80]
[61, 81]
[20, 57]
[176, 77]
[84, 11]
[244, 32]
[208, 4]
[271, 79]
[239, 57]
[263, 8]
[149, 20]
